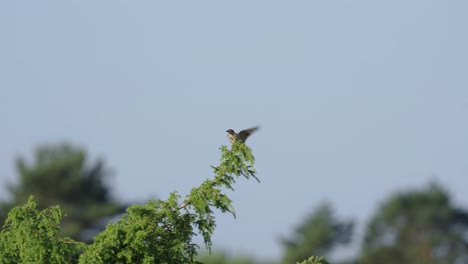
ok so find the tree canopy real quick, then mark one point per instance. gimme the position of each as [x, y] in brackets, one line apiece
[318, 234]
[60, 175]
[417, 226]
[160, 231]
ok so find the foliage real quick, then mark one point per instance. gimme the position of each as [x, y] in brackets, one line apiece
[60, 176]
[223, 258]
[30, 236]
[314, 260]
[160, 231]
[417, 226]
[317, 235]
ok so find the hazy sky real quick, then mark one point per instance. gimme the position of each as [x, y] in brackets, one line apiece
[356, 99]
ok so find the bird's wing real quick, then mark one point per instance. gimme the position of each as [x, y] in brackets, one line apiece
[244, 134]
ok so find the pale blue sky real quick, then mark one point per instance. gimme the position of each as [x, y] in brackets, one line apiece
[356, 99]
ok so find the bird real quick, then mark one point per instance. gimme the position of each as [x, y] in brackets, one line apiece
[241, 136]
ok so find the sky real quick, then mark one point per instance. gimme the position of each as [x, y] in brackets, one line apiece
[355, 99]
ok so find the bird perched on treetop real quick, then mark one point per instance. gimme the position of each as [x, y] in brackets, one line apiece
[241, 136]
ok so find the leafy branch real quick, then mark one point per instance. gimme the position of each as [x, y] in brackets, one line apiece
[162, 231]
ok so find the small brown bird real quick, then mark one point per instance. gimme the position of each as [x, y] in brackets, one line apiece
[241, 136]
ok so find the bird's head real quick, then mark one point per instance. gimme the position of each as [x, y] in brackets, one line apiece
[230, 131]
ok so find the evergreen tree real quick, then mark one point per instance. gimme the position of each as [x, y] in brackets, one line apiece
[417, 227]
[61, 176]
[318, 234]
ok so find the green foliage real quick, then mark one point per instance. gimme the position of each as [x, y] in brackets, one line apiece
[60, 176]
[223, 258]
[30, 236]
[317, 235]
[162, 231]
[417, 226]
[314, 260]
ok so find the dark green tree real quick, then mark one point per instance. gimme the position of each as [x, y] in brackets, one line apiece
[223, 258]
[318, 234]
[416, 227]
[60, 175]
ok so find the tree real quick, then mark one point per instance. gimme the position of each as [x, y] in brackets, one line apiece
[317, 235]
[417, 226]
[31, 236]
[61, 176]
[162, 231]
[159, 232]
[223, 258]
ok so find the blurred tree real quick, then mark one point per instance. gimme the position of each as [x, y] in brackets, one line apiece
[317, 235]
[223, 258]
[417, 227]
[60, 176]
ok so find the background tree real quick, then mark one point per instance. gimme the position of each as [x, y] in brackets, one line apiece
[223, 258]
[61, 176]
[418, 226]
[317, 235]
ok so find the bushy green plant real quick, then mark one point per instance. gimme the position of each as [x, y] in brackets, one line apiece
[30, 236]
[314, 260]
[161, 231]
